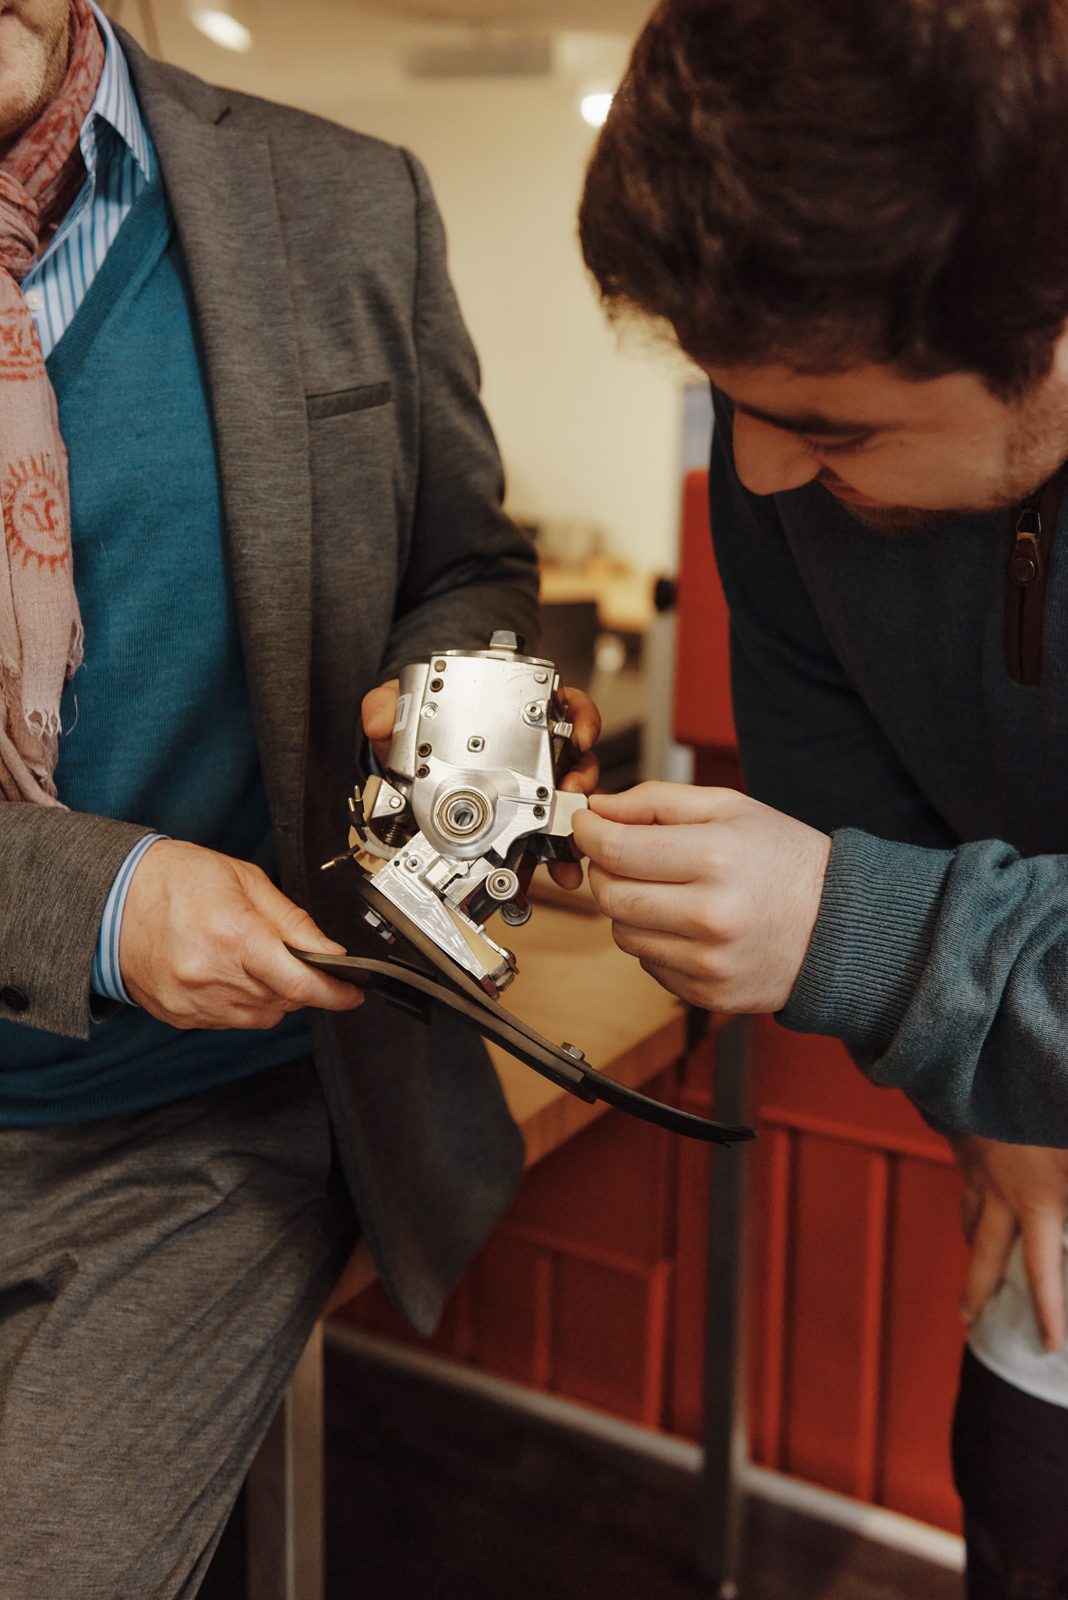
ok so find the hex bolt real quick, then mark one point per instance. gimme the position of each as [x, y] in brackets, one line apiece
[424, 750]
[422, 772]
[543, 793]
[435, 685]
[539, 811]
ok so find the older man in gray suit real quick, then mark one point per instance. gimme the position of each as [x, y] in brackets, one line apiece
[282, 487]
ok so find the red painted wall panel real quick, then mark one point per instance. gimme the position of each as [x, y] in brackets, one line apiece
[703, 674]
[928, 1262]
[566, 1196]
[594, 1285]
[825, 1314]
[598, 1358]
[510, 1293]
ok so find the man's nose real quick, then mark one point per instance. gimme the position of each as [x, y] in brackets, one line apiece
[770, 460]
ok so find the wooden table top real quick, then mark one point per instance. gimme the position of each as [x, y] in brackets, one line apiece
[574, 985]
[624, 598]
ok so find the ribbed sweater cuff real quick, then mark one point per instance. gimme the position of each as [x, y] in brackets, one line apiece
[871, 941]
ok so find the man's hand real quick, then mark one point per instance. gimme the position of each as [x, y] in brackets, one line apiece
[203, 944]
[379, 714]
[1015, 1189]
[716, 894]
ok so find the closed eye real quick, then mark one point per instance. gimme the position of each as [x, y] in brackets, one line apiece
[841, 447]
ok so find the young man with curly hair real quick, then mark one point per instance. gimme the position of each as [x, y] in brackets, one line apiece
[855, 219]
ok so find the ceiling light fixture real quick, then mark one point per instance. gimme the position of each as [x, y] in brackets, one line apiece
[595, 108]
[221, 27]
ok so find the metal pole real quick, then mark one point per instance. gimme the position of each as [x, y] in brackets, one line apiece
[719, 1506]
[284, 1490]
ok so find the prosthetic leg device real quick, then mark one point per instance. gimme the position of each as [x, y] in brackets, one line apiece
[468, 807]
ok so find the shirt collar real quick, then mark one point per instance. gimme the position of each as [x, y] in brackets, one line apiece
[116, 104]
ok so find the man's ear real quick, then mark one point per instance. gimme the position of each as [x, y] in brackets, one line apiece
[1060, 355]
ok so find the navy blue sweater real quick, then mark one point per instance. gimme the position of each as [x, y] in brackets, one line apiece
[872, 696]
[157, 723]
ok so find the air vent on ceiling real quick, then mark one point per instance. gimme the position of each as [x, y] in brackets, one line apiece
[514, 56]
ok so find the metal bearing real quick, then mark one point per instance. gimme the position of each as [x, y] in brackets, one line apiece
[461, 814]
[502, 884]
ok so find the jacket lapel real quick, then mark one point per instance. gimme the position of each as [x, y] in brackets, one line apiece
[220, 185]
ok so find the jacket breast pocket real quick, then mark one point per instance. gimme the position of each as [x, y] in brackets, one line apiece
[342, 402]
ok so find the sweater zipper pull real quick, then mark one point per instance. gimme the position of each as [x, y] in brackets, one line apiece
[1026, 563]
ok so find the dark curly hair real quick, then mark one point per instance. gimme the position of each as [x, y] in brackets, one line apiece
[827, 181]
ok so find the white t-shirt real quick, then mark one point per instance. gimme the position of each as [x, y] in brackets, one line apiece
[1005, 1337]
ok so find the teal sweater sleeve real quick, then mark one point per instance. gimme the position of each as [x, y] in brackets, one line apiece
[942, 964]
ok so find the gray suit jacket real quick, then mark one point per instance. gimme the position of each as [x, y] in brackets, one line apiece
[362, 491]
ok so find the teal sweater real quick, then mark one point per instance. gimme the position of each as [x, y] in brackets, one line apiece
[157, 723]
[873, 699]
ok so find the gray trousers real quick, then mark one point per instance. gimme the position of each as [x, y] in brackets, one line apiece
[159, 1277]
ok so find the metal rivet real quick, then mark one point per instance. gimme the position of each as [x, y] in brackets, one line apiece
[424, 750]
[541, 677]
[395, 802]
[439, 666]
[435, 685]
[429, 710]
[539, 811]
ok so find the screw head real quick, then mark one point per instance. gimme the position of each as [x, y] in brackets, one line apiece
[543, 793]
[412, 863]
[476, 742]
[424, 750]
[422, 772]
[539, 811]
[435, 685]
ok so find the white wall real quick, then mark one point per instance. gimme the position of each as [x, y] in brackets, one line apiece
[586, 430]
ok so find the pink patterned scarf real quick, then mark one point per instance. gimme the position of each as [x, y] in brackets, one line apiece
[40, 626]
